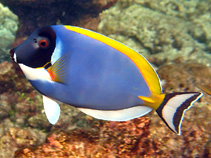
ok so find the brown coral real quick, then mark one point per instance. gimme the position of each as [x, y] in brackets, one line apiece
[111, 139]
[35, 13]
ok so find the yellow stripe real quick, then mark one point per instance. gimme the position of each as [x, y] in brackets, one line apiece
[143, 65]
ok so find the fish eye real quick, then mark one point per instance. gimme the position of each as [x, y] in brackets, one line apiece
[43, 43]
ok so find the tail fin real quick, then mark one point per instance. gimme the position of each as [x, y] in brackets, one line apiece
[173, 108]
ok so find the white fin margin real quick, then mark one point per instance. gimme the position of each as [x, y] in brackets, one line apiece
[118, 115]
[52, 110]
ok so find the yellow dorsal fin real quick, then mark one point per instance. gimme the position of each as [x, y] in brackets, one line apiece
[147, 71]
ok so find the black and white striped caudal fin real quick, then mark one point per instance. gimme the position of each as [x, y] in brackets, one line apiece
[174, 106]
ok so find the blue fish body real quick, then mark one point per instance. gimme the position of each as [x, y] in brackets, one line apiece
[96, 74]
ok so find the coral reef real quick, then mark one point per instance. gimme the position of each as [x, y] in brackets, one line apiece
[17, 104]
[15, 138]
[35, 13]
[164, 28]
[8, 28]
[161, 30]
[24, 126]
[109, 140]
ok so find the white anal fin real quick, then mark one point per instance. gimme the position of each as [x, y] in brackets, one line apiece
[117, 115]
[52, 110]
[173, 108]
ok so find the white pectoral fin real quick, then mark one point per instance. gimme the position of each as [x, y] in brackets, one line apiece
[118, 115]
[52, 109]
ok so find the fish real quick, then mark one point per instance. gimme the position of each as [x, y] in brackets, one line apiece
[206, 89]
[96, 74]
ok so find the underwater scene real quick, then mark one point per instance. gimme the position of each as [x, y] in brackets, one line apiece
[66, 91]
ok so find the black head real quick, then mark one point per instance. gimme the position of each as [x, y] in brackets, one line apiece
[37, 49]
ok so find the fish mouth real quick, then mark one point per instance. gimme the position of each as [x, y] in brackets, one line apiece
[13, 55]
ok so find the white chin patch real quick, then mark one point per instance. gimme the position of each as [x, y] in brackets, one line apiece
[35, 73]
[15, 58]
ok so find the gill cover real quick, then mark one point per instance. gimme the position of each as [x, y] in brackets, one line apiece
[37, 49]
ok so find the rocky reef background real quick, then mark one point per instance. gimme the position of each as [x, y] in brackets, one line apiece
[174, 35]
[8, 28]
[165, 29]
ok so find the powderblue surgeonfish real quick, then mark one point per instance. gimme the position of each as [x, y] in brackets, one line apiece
[96, 74]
